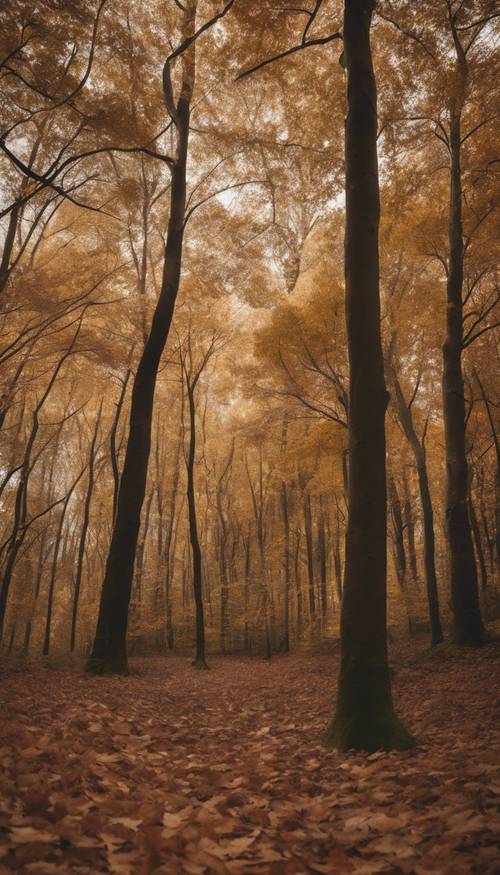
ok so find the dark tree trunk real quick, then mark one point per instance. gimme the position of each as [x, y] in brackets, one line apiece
[476, 532]
[109, 650]
[397, 527]
[246, 594]
[170, 543]
[83, 533]
[310, 555]
[410, 528]
[141, 549]
[199, 660]
[286, 567]
[418, 450]
[337, 563]
[322, 561]
[463, 575]
[55, 558]
[298, 584]
[19, 527]
[365, 717]
[112, 441]
[52, 582]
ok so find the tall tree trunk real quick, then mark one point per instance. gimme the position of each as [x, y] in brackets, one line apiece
[84, 530]
[298, 584]
[112, 441]
[337, 562]
[55, 558]
[286, 567]
[365, 717]
[322, 560]
[199, 660]
[476, 532]
[418, 449]
[246, 594]
[310, 555]
[410, 528]
[463, 575]
[141, 548]
[109, 650]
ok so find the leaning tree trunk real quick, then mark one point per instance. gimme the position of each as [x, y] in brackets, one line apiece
[365, 717]
[109, 651]
[463, 574]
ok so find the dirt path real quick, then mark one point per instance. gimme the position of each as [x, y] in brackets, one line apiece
[178, 771]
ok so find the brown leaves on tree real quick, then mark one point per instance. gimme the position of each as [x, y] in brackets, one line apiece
[173, 771]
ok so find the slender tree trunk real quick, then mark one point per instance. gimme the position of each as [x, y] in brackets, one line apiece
[55, 557]
[199, 660]
[410, 529]
[170, 542]
[476, 532]
[109, 650]
[298, 585]
[397, 525]
[286, 567]
[83, 533]
[112, 441]
[429, 554]
[337, 563]
[52, 581]
[365, 717]
[141, 548]
[322, 560]
[310, 556]
[418, 449]
[463, 575]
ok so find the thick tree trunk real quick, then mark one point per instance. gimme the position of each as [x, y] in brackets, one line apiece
[463, 575]
[109, 651]
[365, 717]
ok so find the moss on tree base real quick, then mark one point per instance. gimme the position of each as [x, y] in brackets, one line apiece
[108, 665]
[379, 729]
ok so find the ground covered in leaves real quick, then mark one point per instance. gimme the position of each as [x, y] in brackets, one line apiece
[173, 770]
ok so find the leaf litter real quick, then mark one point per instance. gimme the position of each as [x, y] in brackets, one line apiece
[175, 772]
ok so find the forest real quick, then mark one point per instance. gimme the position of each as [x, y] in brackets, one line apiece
[249, 437]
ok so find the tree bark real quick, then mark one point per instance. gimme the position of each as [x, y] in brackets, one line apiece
[365, 717]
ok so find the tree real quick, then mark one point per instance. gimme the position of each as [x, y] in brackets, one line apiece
[109, 650]
[365, 717]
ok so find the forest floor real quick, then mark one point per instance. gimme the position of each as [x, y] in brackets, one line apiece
[173, 770]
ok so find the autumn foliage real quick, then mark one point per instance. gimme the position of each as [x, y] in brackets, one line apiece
[248, 409]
